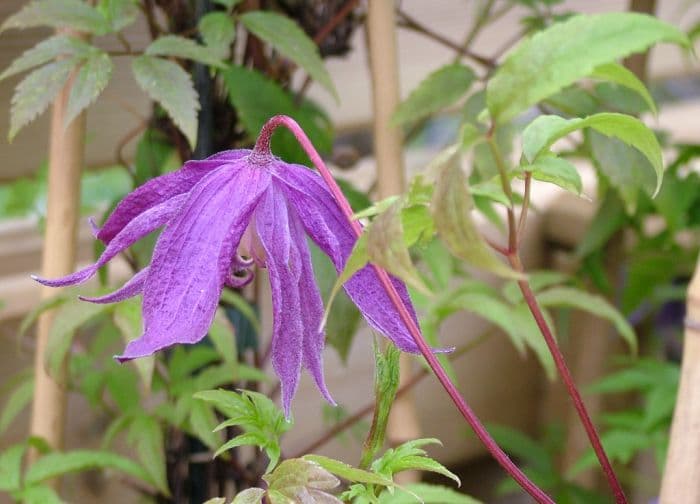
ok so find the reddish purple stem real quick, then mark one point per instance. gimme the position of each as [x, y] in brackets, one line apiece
[263, 145]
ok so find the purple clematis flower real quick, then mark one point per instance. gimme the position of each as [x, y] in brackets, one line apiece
[220, 216]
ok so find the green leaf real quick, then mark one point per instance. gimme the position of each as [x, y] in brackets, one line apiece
[11, 467]
[541, 133]
[249, 496]
[558, 171]
[39, 494]
[532, 336]
[517, 444]
[614, 72]
[71, 316]
[347, 472]
[47, 304]
[46, 51]
[247, 439]
[624, 168]
[218, 33]
[202, 422]
[286, 37]
[146, 436]
[386, 247]
[229, 4]
[119, 13]
[20, 397]
[344, 316]
[242, 305]
[609, 217]
[452, 205]
[57, 464]
[425, 493]
[221, 500]
[181, 47]
[74, 14]
[257, 98]
[597, 305]
[36, 91]
[565, 52]
[620, 446]
[440, 89]
[127, 317]
[168, 84]
[408, 456]
[301, 480]
[91, 80]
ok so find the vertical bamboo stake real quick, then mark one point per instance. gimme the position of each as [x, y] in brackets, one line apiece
[388, 146]
[66, 156]
[681, 478]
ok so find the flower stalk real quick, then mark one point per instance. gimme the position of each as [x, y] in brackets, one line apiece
[263, 146]
[512, 254]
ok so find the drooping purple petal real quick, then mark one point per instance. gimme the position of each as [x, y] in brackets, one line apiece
[326, 225]
[284, 268]
[162, 188]
[142, 225]
[193, 258]
[131, 288]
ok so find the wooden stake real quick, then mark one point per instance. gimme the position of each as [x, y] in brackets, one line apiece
[681, 478]
[403, 422]
[66, 158]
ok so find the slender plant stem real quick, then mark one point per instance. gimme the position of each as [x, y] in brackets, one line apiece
[526, 205]
[514, 259]
[367, 409]
[262, 147]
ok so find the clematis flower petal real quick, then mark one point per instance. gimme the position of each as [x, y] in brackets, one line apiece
[142, 225]
[131, 288]
[160, 189]
[296, 301]
[192, 258]
[326, 225]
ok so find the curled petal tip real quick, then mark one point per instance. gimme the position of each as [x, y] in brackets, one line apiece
[94, 227]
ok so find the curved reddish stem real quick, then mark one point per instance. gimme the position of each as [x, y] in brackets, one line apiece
[263, 146]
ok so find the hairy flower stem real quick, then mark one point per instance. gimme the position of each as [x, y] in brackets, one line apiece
[262, 147]
[514, 238]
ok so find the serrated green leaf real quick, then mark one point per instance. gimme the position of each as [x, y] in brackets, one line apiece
[71, 316]
[20, 397]
[565, 52]
[301, 480]
[291, 41]
[146, 436]
[36, 91]
[451, 206]
[241, 304]
[90, 81]
[558, 171]
[249, 496]
[181, 47]
[39, 494]
[618, 74]
[168, 84]
[46, 51]
[438, 90]
[218, 32]
[119, 13]
[386, 247]
[347, 472]
[427, 494]
[620, 446]
[517, 444]
[541, 133]
[11, 467]
[597, 305]
[221, 500]
[57, 464]
[74, 14]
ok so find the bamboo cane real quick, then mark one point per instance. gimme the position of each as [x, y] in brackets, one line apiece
[681, 478]
[388, 150]
[66, 157]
